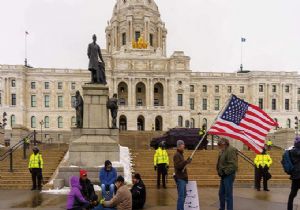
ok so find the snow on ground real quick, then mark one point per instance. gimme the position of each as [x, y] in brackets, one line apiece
[66, 190]
[1, 146]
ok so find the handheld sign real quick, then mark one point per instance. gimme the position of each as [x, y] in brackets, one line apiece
[192, 197]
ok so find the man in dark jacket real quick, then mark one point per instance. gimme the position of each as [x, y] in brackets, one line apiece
[226, 167]
[295, 176]
[181, 176]
[87, 188]
[138, 192]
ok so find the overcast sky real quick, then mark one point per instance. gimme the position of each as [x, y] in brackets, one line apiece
[209, 31]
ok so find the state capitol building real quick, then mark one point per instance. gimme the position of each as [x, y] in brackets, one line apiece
[155, 92]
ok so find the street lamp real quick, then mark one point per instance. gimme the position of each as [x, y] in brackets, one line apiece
[42, 123]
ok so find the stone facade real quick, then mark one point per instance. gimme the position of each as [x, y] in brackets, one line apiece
[156, 92]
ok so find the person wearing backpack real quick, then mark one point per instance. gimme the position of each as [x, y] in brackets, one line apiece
[262, 163]
[295, 172]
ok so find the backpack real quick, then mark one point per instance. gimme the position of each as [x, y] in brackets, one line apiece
[287, 163]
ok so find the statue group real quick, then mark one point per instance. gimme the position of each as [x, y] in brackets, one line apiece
[97, 70]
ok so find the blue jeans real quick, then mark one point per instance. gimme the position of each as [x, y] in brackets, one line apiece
[111, 191]
[181, 189]
[100, 207]
[226, 191]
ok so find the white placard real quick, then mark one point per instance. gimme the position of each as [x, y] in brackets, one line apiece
[192, 197]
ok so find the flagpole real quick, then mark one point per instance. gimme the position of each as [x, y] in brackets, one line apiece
[26, 33]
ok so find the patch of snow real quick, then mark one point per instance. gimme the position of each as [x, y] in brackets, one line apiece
[74, 166]
[63, 191]
[126, 161]
[1, 146]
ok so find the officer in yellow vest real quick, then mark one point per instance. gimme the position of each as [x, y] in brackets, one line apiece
[35, 167]
[269, 144]
[161, 163]
[262, 163]
[202, 132]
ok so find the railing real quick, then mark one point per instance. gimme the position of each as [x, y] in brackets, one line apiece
[12, 149]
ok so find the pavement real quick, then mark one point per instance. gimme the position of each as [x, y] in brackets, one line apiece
[162, 199]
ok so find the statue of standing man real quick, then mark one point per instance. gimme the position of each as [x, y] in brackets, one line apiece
[79, 110]
[96, 67]
[112, 104]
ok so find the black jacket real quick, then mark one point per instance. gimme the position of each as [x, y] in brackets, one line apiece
[295, 156]
[138, 192]
[87, 190]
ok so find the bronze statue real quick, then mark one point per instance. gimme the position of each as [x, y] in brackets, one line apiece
[97, 68]
[112, 104]
[79, 110]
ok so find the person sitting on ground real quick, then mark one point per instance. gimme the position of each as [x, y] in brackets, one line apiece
[75, 200]
[87, 188]
[107, 177]
[122, 200]
[138, 192]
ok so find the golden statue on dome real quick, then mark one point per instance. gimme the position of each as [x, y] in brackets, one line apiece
[140, 44]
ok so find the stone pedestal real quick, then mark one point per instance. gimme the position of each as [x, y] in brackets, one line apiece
[95, 142]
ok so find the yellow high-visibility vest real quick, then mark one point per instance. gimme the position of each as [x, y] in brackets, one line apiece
[263, 160]
[161, 156]
[269, 143]
[36, 161]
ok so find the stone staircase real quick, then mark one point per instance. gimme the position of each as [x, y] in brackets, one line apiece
[203, 168]
[20, 178]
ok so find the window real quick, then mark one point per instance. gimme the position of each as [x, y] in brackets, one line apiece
[192, 125]
[287, 88]
[33, 122]
[73, 86]
[298, 91]
[217, 89]
[261, 88]
[122, 102]
[46, 121]
[139, 90]
[73, 101]
[261, 103]
[217, 104]
[13, 83]
[33, 85]
[60, 101]
[179, 100]
[13, 99]
[204, 122]
[59, 85]
[156, 102]
[47, 101]
[242, 89]
[137, 35]
[73, 121]
[180, 121]
[298, 105]
[155, 90]
[274, 88]
[287, 104]
[204, 104]
[273, 104]
[33, 100]
[60, 123]
[229, 89]
[0, 98]
[288, 123]
[139, 102]
[151, 40]
[123, 38]
[12, 120]
[46, 85]
[192, 88]
[192, 103]
[204, 88]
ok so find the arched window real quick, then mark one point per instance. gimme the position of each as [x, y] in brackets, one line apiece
[12, 120]
[60, 123]
[73, 121]
[123, 123]
[180, 121]
[141, 123]
[158, 95]
[123, 94]
[204, 122]
[140, 94]
[33, 122]
[192, 125]
[47, 122]
[276, 120]
[288, 123]
[158, 123]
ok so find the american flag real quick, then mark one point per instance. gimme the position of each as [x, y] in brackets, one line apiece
[245, 122]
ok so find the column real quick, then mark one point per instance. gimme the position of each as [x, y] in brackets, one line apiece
[129, 89]
[151, 103]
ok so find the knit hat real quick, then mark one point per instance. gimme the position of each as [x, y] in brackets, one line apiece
[180, 142]
[83, 173]
[137, 176]
[106, 163]
[35, 149]
[297, 140]
[120, 179]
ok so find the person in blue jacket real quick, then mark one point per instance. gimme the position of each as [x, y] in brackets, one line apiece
[107, 177]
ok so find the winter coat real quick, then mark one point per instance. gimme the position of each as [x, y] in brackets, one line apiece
[75, 197]
[36, 161]
[107, 177]
[227, 162]
[295, 156]
[122, 200]
[138, 192]
[87, 189]
[161, 156]
[179, 164]
[263, 160]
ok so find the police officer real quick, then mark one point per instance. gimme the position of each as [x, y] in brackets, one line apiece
[269, 144]
[35, 167]
[262, 163]
[202, 132]
[161, 163]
